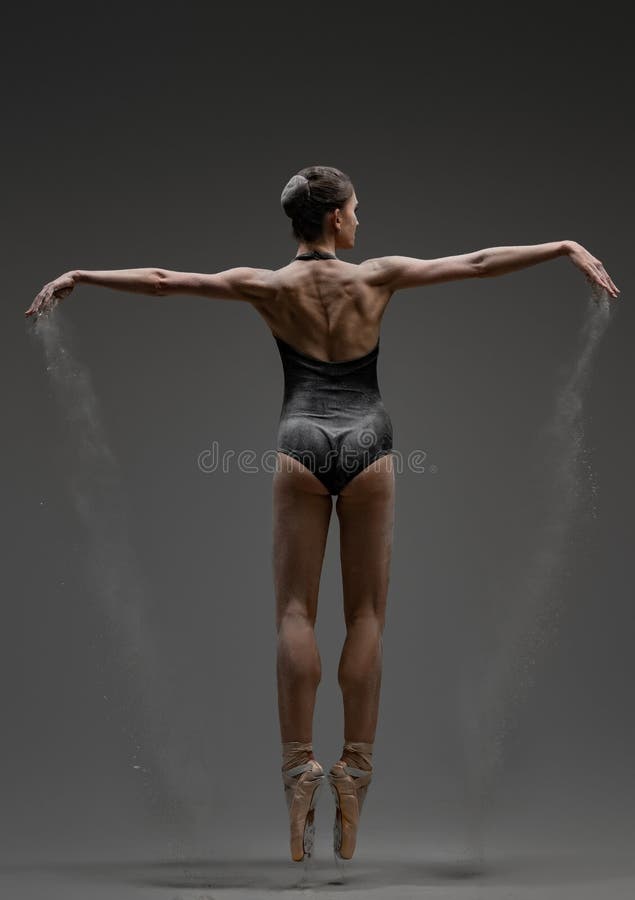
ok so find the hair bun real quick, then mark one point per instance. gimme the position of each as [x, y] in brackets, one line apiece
[296, 192]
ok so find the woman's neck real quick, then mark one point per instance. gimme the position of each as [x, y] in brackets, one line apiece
[322, 246]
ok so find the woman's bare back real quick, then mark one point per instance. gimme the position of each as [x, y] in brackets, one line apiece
[326, 308]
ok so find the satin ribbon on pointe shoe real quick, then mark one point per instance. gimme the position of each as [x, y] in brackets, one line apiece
[302, 784]
[349, 785]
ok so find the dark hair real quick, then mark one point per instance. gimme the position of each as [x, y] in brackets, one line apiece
[309, 194]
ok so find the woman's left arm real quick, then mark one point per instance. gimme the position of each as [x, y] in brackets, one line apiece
[239, 283]
[139, 281]
[500, 260]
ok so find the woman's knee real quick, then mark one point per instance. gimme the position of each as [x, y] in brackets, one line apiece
[296, 615]
[370, 617]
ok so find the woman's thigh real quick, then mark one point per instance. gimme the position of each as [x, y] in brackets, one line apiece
[366, 513]
[302, 509]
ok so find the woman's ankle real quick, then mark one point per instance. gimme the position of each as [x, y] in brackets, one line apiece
[295, 753]
[358, 754]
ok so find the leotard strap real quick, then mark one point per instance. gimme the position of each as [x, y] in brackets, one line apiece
[316, 254]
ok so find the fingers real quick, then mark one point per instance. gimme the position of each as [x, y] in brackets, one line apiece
[39, 305]
[33, 308]
[594, 271]
[50, 295]
[608, 278]
[598, 273]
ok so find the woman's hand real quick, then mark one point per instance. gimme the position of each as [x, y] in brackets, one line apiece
[594, 271]
[51, 294]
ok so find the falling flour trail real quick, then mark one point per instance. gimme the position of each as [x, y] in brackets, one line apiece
[531, 608]
[116, 580]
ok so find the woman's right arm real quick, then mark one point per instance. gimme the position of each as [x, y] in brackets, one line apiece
[405, 271]
[141, 281]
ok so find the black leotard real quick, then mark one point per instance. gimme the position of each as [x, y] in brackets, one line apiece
[333, 419]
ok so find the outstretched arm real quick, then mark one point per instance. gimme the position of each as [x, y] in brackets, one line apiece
[240, 283]
[405, 271]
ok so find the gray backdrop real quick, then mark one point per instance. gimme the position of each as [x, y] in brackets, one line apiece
[138, 640]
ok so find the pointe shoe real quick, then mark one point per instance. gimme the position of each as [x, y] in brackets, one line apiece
[302, 785]
[348, 786]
